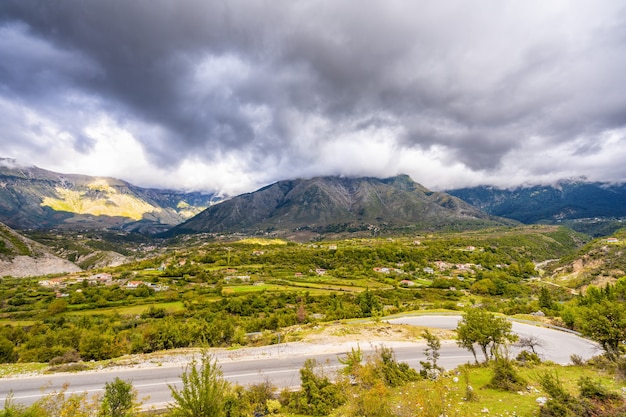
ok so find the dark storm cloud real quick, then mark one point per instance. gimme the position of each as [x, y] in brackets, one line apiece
[277, 83]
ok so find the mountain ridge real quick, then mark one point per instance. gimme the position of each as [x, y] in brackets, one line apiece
[590, 207]
[34, 198]
[336, 204]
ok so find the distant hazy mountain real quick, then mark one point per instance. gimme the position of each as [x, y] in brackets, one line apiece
[20, 257]
[337, 204]
[31, 197]
[565, 202]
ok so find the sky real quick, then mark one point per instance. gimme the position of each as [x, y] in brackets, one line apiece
[229, 96]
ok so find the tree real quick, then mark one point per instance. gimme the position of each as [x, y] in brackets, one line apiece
[605, 322]
[433, 344]
[96, 346]
[484, 329]
[119, 399]
[204, 390]
[7, 350]
[57, 306]
[352, 362]
[545, 299]
[531, 342]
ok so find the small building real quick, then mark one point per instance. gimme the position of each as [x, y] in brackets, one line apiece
[441, 265]
[53, 283]
[102, 278]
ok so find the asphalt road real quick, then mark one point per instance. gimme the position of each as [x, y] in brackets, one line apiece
[279, 365]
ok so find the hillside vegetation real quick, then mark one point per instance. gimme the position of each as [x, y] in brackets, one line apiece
[196, 291]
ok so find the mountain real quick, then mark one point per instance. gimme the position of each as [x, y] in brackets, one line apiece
[20, 257]
[591, 207]
[337, 204]
[34, 198]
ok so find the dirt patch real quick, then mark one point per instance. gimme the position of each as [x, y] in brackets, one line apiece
[361, 332]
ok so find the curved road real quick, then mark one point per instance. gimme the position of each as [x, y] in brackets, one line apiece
[280, 364]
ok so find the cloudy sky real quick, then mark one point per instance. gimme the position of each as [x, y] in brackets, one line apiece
[229, 96]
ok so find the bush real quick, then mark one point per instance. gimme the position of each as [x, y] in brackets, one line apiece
[528, 358]
[203, 393]
[594, 390]
[119, 399]
[69, 356]
[393, 373]
[505, 377]
[318, 396]
[577, 360]
[561, 403]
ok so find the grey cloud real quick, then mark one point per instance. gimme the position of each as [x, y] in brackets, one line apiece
[475, 80]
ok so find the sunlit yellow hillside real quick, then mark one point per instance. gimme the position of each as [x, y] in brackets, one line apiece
[263, 242]
[109, 202]
[188, 211]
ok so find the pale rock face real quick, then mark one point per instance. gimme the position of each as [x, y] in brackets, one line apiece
[26, 266]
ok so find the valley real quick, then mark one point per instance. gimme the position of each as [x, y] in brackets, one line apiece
[259, 272]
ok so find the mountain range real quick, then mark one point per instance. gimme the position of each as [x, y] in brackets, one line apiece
[336, 205]
[595, 208]
[94, 210]
[34, 198]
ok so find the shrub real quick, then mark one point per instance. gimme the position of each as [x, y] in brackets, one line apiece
[505, 377]
[318, 395]
[561, 403]
[577, 360]
[69, 356]
[394, 373]
[119, 399]
[204, 390]
[594, 390]
[528, 358]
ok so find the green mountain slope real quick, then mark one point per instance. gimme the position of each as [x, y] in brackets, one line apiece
[337, 204]
[589, 207]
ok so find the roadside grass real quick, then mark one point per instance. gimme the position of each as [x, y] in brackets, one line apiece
[11, 369]
[447, 395]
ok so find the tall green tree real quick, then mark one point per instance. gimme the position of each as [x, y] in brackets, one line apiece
[482, 328]
[605, 322]
[545, 299]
